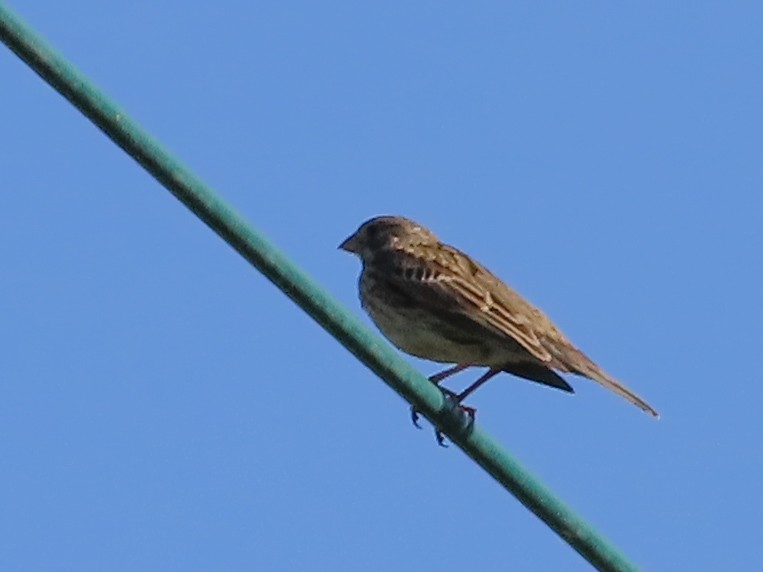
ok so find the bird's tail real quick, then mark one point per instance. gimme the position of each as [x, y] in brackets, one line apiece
[578, 363]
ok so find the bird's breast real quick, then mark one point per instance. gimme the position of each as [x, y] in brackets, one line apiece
[417, 330]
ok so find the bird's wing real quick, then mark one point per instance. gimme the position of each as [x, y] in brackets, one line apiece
[442, 277]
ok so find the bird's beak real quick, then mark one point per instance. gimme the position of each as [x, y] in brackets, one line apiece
[350, 245]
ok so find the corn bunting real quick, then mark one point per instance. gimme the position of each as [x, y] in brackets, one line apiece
[435, 302]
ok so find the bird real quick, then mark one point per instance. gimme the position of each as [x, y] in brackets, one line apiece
[433, 301]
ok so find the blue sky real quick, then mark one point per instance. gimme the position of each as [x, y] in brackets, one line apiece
[164, 407]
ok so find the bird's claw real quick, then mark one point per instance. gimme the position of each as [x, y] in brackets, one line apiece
[439, 435]
[415, 417]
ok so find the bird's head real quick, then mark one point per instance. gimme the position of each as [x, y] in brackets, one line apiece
[384, 232]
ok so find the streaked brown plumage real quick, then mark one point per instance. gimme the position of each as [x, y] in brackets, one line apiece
[434, 302]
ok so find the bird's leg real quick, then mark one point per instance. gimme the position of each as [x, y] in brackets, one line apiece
[489, 374]
[437, 378]
[459, 397]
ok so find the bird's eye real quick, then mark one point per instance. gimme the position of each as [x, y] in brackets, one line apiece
[375, 238]
[409, 273]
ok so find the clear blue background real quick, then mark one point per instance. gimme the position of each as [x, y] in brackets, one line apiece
[164, 407]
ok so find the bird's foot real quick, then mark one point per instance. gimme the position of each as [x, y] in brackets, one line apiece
[470, 413]
[415, 415]
[454, 400]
